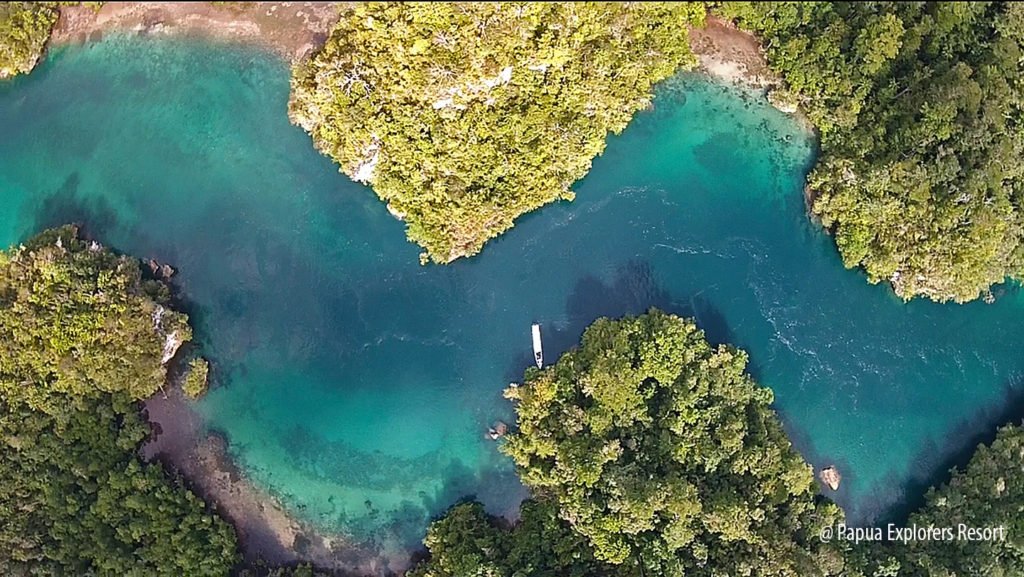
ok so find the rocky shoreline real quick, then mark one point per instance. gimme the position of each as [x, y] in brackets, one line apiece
[730, 54]
[294, 30]
[291, 29]
[266, 530]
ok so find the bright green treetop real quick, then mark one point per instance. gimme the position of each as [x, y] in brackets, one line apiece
[24, 29]
[659, 449]
[463, 116]
[78, 319]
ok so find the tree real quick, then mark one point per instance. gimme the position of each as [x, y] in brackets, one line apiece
[83, 338]
[919, 106]
[665, 455]
[468, 542]
[464, 116]
[24, 29]
[196, 379]
[988, 493]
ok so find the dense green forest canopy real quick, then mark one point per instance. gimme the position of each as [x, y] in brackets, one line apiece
[468, 542]
[82, 338]
[989, 492]
[463, 116]
[663, 456]
[649, 452]
[24, 29]
[919, 106]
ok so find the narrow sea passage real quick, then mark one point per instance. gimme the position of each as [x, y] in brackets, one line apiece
[357, 385]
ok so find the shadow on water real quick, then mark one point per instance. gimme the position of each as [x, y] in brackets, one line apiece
[896, 500]
[94, 216]
[632, 290]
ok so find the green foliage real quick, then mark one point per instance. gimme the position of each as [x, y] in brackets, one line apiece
[467, 542]
[82, 340]
[78, 320]
[463, 116]
[650, 452]
[196, 379]
[664, 454]
[24, 29]
[919, 105]
[263, 569]
[988, 493]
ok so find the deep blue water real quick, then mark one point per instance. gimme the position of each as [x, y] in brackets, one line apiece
[357, 385]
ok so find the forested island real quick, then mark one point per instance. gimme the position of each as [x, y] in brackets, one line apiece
[647, 450]
[463, 117]
[919, 108]
[85, 339]
[650, 452]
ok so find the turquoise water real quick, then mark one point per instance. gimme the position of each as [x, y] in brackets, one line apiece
[357, 385]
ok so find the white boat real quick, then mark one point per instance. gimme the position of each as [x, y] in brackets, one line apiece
[538, 351]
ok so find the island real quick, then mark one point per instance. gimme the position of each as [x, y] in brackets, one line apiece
[647, 447]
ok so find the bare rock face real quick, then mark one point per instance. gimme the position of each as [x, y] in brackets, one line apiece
[172, 342]
[831, 477]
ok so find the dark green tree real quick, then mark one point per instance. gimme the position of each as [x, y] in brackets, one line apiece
[468, 542]
[988, 493]
[82, 339]
[919, 106]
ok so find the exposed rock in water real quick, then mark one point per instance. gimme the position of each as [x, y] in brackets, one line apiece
[831, 477]
[396, 213]
[171, 345]
[161, 271]
[497, 431]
